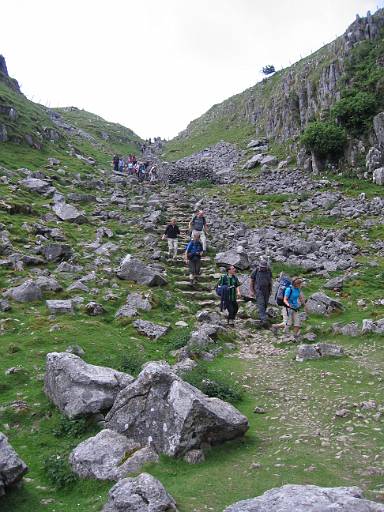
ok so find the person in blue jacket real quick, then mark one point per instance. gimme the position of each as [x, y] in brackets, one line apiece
[192, 256]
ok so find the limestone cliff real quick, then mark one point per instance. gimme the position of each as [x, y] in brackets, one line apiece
[280, 106]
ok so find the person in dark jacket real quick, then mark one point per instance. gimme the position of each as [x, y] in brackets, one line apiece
[232, 284]
[261, 288]
[116, 163]
[193, 253]
[171, 233]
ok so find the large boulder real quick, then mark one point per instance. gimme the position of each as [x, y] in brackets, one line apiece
[28, 291]
[320, 304]
[78, 388]
[109, 456]
[37, 185]
[141, 494]
[159, 408]
[233, 257]
[69, 213]
[62, 306]
[308, 498]
[56, 252]
[131, 269]
[12, 468]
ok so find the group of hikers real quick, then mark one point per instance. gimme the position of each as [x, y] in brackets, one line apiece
[145, 171]
[288, 295]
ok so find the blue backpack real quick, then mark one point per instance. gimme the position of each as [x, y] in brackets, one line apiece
[284, 283]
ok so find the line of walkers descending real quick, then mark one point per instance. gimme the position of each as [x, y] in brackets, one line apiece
[288, 295]
[145, 171]
[260, 282]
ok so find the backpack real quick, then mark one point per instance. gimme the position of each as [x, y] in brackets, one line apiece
[198, 223]
[284, 283]
[262, 277]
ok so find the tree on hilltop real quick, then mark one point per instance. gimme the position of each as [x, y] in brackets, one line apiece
[268, 69]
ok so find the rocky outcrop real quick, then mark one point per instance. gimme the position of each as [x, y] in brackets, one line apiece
[141, 494]
[12, 468]
[160, 409]
[280, 106]
[78, 388]
[308, 498]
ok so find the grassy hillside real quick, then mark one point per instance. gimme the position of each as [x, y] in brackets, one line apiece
[32, 135]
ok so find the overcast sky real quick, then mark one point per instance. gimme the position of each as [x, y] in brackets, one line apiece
[154, 65]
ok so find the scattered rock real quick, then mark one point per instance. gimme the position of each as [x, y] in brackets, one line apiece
[194, 457]
[132, 269]
[308, 498]
[60, 306]
[233, 257]
[29, 291]
[94, 309]
[320, 304]
[67, 212]
[109, 456]
[12, 468]
[150, 329]
[141, 494]
[78, 388]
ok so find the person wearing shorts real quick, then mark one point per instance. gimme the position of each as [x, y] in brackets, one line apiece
[293, 301]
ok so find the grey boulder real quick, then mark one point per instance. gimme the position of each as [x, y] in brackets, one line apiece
[161, 410]
[131, 269]
[320, 304]
[59, 306]
[94, 309]
[253, 162]
[306, 352]
[150, 329]
[78, 388]
[352, 329]
[233, 257]
[56, 252]
[28, 291]
[109, 456]
[373, 326]
[37, 185]
[12, 468]
[141, 494]
[67, 212]
[308, 498]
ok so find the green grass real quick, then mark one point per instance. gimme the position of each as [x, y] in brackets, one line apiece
[224, 130]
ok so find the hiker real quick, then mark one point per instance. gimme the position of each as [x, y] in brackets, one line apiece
[198, 225]
[141, 172]
[121, 165]
[115, 163]
[192, 256]
[172, 232]
[293, 300]
[153, 173]
[260, 288]
[229, 286]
